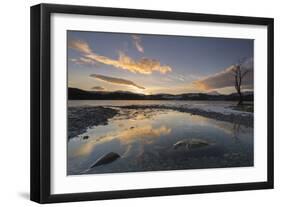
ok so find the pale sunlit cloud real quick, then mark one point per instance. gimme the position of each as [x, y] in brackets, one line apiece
[116, 80]
[83, 61]
[182, 78]
[225, 78]
[137, 43]
[143, 65]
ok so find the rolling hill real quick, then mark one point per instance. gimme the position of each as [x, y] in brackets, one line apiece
[78, 94]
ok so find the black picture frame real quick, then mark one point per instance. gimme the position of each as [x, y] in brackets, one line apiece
[41, 98]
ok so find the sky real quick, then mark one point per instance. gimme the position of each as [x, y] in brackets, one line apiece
[151, 64]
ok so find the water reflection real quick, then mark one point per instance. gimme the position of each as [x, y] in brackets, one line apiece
[144, 139]
[143, 134]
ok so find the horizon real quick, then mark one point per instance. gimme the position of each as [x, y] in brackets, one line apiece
[155, 64]
[114, 91]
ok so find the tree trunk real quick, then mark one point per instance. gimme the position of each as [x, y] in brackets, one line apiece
[240, 98]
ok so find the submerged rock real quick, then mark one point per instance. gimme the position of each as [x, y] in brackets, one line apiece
[191, 143]
[86, 137]
[105, 159]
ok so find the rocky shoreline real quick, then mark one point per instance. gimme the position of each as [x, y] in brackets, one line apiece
[81, 118]
[246, 119]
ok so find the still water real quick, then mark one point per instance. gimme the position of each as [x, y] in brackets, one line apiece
[158, 139]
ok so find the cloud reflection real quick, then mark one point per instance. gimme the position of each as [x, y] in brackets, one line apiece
[144, 134]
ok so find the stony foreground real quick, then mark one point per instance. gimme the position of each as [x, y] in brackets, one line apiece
[80, 118]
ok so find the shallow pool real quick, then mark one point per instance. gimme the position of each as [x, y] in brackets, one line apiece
[148, 140]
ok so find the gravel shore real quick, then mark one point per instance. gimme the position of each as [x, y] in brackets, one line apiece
[80, 118]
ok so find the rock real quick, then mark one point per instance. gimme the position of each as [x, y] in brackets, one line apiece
[191, 143]
[86, 137]
[108, 158]
[181, 143]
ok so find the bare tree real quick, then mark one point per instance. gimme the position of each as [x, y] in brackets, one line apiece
[238, 77]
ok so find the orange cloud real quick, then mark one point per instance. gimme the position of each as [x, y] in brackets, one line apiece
[79, 45]
[225, 78]
[201, 86]
[143, 66]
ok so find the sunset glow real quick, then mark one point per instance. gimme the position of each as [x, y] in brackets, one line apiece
[152, 64]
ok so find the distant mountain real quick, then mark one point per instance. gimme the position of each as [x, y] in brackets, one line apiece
[214, 93]
[78, 94]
